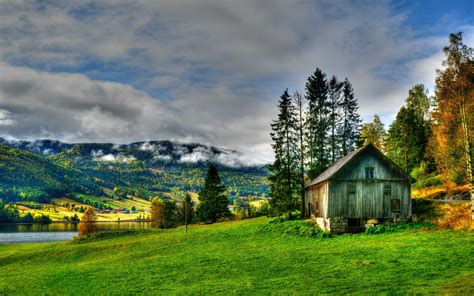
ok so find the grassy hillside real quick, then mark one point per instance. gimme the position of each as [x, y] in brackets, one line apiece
[27, 176]
[237, 258]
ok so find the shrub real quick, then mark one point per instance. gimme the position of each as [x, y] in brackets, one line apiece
[43, 219]
[395, 227]
[423, 209]
[455, 216]
[105, 235]
[294, 228]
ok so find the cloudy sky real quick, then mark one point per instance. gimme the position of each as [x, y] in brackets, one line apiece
[206, 71]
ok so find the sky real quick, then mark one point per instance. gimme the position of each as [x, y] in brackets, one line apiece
[206, 71]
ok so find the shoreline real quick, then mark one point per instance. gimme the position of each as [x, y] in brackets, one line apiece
[61, 222]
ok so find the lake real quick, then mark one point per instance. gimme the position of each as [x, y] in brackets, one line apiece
[35, 233]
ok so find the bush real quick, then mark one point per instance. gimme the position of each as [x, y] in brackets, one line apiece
[294, 228]
[395, 227]
[423, 209]
[423, 178]
[104, 235]
[455, 216]
[43, 219]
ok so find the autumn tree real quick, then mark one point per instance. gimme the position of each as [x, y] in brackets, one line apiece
[88, 222]
[157, 212]
[453, 120]
[374, 132]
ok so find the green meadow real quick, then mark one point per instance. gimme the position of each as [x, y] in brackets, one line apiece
[239, 258]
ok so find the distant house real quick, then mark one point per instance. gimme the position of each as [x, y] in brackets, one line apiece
[361, 186]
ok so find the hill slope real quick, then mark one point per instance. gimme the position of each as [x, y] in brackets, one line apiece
[236, 258]
[27, 176]
[152, 168]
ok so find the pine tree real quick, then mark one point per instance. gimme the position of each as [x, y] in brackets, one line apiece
[318, 122]
[213, 198]
[299, 104]
[334, 105]
[350, 127]
[283, 172]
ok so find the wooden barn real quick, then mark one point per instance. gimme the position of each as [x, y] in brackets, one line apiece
[363, 185]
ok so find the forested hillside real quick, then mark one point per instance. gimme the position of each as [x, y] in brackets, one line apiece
[26, 176]
[143, 169]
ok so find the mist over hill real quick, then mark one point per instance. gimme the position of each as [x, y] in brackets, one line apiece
[145, 169]
[153, 152]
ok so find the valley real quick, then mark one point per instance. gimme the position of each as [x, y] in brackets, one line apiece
[60, 180]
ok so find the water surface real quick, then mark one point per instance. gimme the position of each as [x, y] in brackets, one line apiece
[34, 233]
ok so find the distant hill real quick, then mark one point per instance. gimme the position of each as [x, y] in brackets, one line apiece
[151, 168]
[27, 176]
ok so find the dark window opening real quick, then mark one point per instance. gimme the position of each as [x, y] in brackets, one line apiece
[369, 173]
[351, 188]
[395, 205]
[387, 190]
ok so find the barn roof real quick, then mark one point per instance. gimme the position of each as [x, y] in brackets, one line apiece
[329, 172]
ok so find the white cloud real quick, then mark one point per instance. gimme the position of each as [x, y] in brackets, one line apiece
[214, 68]
[6, 118]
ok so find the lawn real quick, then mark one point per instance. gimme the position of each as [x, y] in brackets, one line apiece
[237, 258]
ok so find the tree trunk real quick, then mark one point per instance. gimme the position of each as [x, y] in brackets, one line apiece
[467, 153]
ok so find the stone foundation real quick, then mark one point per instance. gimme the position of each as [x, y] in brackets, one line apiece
[333, 225]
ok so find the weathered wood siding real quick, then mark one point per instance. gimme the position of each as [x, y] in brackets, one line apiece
[317, 199]
[351, 195]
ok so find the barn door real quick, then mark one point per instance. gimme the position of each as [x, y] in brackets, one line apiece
[352, 208]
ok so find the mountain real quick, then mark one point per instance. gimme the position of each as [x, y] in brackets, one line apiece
[151, 168]
[27, 176]
[149, 151]
[42, 147]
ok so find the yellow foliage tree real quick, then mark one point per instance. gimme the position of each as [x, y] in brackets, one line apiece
[88, 222]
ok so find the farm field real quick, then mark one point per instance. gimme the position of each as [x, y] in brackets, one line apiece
[238, 258]
[56, 211]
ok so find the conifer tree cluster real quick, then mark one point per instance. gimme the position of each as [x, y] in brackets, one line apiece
[310, 133]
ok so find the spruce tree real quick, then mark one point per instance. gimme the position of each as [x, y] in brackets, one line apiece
[299, 104]
[334, 104]
[350, 126]
[213, 198]
[318, 122]
[283, 172]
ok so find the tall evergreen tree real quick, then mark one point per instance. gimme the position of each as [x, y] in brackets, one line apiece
[350, 127]
[213, 198]
[318, 122]
[334, 105]
[299, 104]
[283, 177]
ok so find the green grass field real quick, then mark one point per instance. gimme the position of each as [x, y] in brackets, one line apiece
[237, 258]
